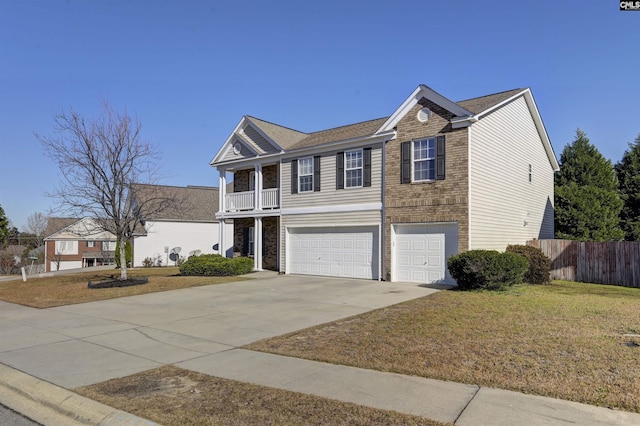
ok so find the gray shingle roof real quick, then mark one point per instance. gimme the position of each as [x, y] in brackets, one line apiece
[290, 139]
[55, 224]
[192, 203]
[477, 105]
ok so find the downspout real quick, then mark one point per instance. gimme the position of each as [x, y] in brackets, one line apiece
[383, 226]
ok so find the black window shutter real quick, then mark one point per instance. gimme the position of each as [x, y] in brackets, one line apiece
[316, 173]
[245, 242]
[294, 176]
[366, 162]
[405, 161]
[340, 170]
[440, 158]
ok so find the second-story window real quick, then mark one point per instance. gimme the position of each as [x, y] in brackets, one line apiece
[305, 174]
[91, 243]
[353, 168]
[424, 159]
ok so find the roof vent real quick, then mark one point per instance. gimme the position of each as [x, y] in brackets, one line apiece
[424, 114]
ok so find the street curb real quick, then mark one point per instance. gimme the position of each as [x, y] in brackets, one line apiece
[49, 404]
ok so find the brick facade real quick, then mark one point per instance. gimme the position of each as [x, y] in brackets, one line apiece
[269, 178]
[270, 226]
[425, 202]
[95, 256]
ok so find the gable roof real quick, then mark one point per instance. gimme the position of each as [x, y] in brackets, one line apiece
[56, 224]
[190, 203]
[465, 113]
[86, 228]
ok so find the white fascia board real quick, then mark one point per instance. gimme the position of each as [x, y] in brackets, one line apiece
[537, 118]
[420, 92]
[375, 138]
[231, 165]
[228, 143]
[263, 134]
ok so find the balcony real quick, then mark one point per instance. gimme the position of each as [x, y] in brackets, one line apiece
[244, 201]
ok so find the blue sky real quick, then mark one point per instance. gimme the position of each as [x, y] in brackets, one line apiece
[189, 70]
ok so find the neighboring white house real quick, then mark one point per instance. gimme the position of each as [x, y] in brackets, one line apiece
[188, 226]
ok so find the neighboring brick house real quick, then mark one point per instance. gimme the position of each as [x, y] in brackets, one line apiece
[187, 221]
[391, 198]
[72, 243]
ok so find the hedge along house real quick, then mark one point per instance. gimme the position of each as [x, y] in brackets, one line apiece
[391, 198]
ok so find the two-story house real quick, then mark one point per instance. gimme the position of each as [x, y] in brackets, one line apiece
[391, 198]
[72, 243]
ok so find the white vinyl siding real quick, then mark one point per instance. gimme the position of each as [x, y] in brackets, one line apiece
[504, 147]
[358, 218]
[328, 194]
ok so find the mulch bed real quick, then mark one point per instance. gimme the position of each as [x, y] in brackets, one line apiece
[116, 282]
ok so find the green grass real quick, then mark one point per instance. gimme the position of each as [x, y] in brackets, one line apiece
[565, 340]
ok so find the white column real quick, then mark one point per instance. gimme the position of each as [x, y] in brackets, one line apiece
[222, 248]
[257, 244]
[258, 187]
[222, 190]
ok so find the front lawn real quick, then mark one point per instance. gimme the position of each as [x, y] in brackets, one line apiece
[70, 289]
[566, 340]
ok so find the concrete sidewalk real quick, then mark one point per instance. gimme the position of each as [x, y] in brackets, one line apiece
[202, 328]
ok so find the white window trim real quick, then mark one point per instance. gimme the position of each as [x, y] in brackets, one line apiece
[108, 246]
[64, 247]
[413, 160]
[300, 175]
[91, 244]
[361, 168]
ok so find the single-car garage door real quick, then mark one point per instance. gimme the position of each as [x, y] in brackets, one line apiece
[420, 252]
[350, 252]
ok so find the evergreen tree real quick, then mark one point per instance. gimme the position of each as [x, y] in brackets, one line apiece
[628, 172]
[587, 204]
[4, 227]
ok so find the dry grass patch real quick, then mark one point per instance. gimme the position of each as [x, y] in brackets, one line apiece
[70, 289]
[173, 396]
[573, 341]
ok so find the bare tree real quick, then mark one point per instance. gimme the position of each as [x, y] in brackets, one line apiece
[99, 160]
[37, 225]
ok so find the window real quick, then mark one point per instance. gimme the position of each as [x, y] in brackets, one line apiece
[108, 246]
[353, 168]
[251, 243]
[305, 174]
[66, 247]
[91, 244]
[252, 181]
[424, 159]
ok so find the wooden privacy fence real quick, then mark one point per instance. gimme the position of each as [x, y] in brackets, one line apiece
[601, 263]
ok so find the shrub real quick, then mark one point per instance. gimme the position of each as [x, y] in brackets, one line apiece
[147, 262]
[216, 265]
[539, 265]
[487, 269]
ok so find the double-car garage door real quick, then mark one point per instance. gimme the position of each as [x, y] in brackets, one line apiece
[350, 252]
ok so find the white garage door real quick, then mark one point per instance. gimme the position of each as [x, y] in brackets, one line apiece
[421, 251]
[338, 252]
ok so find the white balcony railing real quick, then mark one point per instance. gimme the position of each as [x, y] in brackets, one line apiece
[237, 201]
[270, 198]
[242, 201]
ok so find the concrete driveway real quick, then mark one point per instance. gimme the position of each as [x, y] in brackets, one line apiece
[88, 343]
